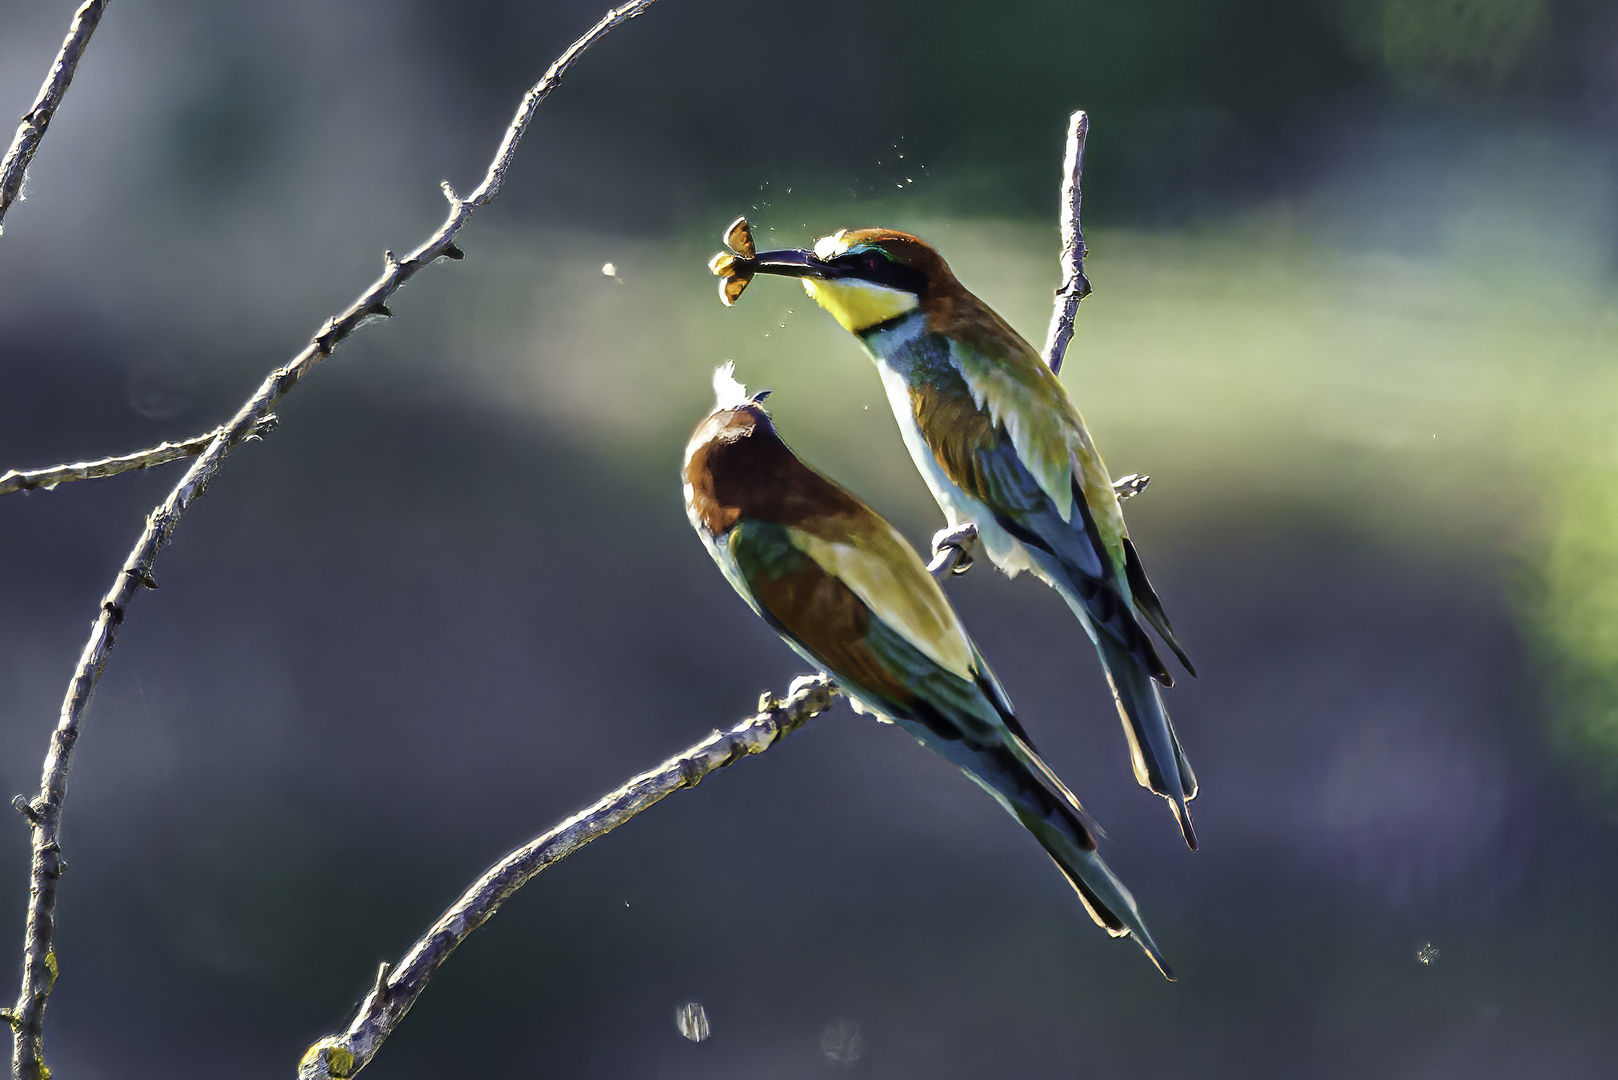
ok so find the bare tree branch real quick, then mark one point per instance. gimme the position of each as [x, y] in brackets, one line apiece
[44, 812]
[337, 1057]
[1075, 286]
[952, 552]
[161, 454]
[51, 92]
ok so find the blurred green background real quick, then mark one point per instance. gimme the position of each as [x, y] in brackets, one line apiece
[1354, 311]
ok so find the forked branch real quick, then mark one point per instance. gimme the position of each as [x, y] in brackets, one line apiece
[34, 122]
[44, 812]
[337, 1057]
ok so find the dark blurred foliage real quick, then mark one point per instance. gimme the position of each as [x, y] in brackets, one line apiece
[1204, 103]
[453, 597]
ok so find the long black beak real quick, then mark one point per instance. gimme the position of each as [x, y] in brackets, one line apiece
[791, 262]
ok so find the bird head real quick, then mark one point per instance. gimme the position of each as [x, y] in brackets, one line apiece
[736, 413]
[731, 456]
[866, 278]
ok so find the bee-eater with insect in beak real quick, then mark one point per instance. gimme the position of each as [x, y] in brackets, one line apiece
[849, 595]
[1004, 452]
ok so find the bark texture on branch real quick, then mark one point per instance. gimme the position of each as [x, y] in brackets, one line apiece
[337, 1057]
[1075, 286]
[44, 812]
[34, 122]
[953, 555]
[161, 454]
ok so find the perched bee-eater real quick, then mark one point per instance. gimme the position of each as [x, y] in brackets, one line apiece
[1005, 453]
[849, 595]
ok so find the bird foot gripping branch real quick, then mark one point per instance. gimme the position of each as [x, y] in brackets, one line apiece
[1127, 487]
[952, 549]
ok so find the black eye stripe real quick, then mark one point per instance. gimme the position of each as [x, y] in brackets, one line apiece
[876, 267]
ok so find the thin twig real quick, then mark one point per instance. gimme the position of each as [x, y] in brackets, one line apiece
[1075, 286]
[39, 959]
[337, 1057]
[954, 555]
[161, 454]
[51, 92]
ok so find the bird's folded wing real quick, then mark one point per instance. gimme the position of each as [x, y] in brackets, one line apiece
[1022, 396]
[869, 556]
[824, 616]
[993, 472]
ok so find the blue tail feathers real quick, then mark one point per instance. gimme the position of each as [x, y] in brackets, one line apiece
[1160, 764]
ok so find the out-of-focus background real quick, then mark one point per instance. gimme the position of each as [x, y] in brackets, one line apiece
[1354, 269]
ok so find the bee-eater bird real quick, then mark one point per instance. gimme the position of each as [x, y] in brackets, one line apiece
[849, 595]
[1004, 452]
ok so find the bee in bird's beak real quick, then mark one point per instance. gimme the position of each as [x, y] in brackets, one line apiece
[736, 266]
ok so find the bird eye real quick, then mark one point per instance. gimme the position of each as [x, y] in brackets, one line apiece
[870, 260]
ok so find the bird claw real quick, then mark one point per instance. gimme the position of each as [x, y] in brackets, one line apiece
[1126, 487]
[952, 549]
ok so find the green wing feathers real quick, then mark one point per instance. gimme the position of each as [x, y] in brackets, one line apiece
[961, 722]
[903, 654]
[1018, 400]
[1149, 606]
[1022, 395]
[884, 571]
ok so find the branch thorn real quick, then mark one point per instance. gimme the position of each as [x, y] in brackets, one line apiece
[323, 339]
[143, 577]
[261, 427]
[26, 809]
[453, 252]
[449, 192]
[389, 263]
[379, 309]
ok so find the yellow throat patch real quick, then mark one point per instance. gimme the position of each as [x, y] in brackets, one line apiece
[859, 305]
